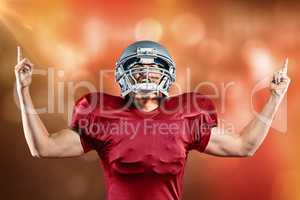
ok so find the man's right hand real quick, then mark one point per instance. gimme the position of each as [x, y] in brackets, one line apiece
[23, 71]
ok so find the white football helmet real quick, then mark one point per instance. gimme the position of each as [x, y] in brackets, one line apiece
[145, 66]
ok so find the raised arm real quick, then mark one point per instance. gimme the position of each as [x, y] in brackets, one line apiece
[42, 144]
[245, 143]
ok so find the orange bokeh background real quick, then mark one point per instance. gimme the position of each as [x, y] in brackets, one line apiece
[238, 42]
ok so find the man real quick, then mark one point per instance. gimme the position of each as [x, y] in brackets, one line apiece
[143, 138]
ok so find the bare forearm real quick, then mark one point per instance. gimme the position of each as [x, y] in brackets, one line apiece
[64, 143]
[35, 132]
[256, 131]
[225, 143]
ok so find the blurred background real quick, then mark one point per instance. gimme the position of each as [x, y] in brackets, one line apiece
[228, 43]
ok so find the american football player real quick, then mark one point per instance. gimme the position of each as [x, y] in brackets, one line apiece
[143, 136]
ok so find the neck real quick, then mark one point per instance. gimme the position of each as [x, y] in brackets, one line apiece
[145, 103]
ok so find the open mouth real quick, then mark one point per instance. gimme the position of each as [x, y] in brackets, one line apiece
[146, 94]
[145, 80]
[148, 80]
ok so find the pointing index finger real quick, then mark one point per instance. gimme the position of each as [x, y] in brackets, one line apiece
[285, 66]
[19, 54]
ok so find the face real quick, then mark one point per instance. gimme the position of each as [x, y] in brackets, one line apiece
[153, 76]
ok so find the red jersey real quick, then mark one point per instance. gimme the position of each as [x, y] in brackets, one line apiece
[143, 154]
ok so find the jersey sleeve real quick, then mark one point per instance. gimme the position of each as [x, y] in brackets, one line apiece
[82, 112]
[202, 119]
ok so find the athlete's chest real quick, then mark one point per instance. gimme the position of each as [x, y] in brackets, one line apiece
[145, 145]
